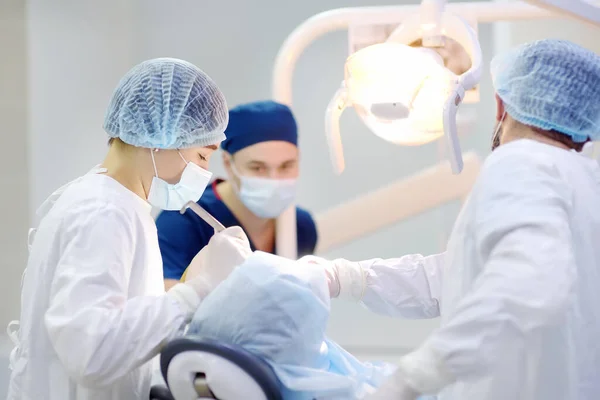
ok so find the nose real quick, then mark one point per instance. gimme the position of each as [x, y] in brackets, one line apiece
[274, 173]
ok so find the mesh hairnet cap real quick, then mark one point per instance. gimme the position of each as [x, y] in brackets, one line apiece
[167, 103]
[551, 85]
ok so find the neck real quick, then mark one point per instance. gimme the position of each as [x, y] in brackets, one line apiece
[123, 165]
[520, 131]
[251, 223]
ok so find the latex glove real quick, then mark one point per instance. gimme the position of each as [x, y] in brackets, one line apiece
[346, 279]
[212, 265]
[394, 388]
[224, 251]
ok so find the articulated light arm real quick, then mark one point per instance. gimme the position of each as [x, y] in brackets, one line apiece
[456, 28]
[340, 19]
[332, 115]
[431, 22]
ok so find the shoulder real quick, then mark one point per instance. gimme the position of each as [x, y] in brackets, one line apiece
[173, 224]
[523, 156]
[98, 196]
[306, 232]
[304, 219]
[520, 179]
[89, 215]
[522, 168]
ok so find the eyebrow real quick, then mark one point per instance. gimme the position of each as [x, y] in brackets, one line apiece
[259, 162]
[212, 147]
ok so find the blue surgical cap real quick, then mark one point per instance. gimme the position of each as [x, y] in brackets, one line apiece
[551, 85]
[258, 122]
[278, 309]
[167, 103]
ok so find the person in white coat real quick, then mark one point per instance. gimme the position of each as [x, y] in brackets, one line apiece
[93, 305]
[517, 288]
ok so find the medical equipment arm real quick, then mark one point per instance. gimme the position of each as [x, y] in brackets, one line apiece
[522, 233]
[99, 334]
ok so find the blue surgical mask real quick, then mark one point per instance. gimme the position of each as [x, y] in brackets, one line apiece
[190, 187]
[265, 198]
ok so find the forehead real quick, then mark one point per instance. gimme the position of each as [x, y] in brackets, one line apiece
[270, 152]
[203, 149]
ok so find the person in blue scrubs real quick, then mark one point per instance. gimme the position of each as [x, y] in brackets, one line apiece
[261, 158]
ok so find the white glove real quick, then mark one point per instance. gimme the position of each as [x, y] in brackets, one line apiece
[346, 279]
[212, 265]
[394, 388]
[225, 251]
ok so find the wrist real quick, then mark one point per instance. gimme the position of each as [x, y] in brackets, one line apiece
[332, 281]
[187, 298]
[351, 278]
[425, 371]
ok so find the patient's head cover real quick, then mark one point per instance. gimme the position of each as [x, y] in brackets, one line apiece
[278, 309]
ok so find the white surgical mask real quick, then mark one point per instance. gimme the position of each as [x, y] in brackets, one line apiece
[265, 198]
[190, 187]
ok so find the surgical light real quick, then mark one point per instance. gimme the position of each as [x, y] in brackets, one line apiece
[395, 89]
[404, 94]
[427, 23]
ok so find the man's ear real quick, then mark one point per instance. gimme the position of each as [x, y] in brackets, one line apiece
[499, 108]
[227, 163]
[226, 159]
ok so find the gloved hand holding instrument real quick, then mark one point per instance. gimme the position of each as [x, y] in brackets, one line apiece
[227, 249]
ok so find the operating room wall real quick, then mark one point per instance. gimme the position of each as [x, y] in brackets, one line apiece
[14, 185]
[77, 51]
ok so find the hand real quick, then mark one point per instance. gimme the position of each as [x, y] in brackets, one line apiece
[394, 388]
[213, 264]
[330, 271]
[346, 279]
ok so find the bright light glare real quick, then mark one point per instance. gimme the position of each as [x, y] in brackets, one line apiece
[399, 91]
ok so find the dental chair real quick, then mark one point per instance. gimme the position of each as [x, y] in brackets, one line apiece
[194, 368]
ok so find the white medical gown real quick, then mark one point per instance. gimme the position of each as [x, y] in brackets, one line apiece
[406, 287]
[520, 297]
[93, 307]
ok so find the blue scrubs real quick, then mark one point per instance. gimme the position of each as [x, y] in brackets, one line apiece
[181, 237]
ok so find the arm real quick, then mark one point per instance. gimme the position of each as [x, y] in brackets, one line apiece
[523, 237]
[98, 333]
[180, 238]
[405, 287]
